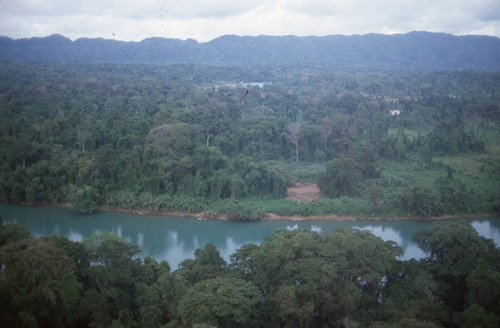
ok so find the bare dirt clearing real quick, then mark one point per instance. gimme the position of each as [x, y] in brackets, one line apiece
[303, 192]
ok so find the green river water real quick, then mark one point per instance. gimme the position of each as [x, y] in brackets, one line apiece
[174, 238]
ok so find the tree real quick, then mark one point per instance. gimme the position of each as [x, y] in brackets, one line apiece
[109, 250]
[421, 201]
[314, 279]
[341, 177]
[484, 284]
[294, 137]
[375, 193]
[176, 139]
[453, 194]
[38, 285]
[455, 245]
[110, 280]
[457, 255]
[12, 232]
[85, 199]
[476, 317]
[207, 264]
[35, 190]
[75, 250]
[221, 302]
[326, 130]
[82, 137]
[153, 301]
[412, 294]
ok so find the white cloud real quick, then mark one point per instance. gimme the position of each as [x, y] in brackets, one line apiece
[207, 19]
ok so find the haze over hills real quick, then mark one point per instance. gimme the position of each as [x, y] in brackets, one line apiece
[412, 51]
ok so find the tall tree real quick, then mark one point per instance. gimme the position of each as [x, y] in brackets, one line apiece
[294, 137]
[222, 302]
[38, 286]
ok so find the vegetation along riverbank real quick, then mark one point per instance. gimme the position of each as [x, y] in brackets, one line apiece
[210, 215]
[183, 138]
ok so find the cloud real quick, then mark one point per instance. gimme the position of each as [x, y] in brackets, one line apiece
[131, 8]
[321, 8]
[207, 19]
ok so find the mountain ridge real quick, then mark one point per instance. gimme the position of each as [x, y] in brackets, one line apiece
[413, 50]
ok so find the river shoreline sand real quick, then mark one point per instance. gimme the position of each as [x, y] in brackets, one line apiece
[271, 216]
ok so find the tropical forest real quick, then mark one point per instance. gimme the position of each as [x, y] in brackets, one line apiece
[217, 136]
[232, 139]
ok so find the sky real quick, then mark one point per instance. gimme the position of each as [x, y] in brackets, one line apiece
[204, 20]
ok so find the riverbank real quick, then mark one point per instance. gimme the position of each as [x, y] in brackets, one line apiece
[270, 216]
[146, 211]
[299, 218]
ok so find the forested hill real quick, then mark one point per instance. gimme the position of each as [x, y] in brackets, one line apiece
[413, 51]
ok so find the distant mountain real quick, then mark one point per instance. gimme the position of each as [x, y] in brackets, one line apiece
[415, 50]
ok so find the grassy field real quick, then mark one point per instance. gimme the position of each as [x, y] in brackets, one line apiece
[479, 171]
[302, 171]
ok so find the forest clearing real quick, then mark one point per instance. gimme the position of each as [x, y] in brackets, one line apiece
[303, 192]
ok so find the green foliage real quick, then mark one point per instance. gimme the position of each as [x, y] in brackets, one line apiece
[84, 199]
[457, 257]
[450, 137]
[74, 250]
[346, 278]
[38, 285]
[447, 243]
[109, 250]
[343, 175]
[413, 294]
[182, 137]
[310, 277]
[236, 210]
[147, 200]
[207, 264]
[422, 201]
[12, 232]
[375, 194]
[221, 302]
[484, 286]
[35, 190]
[475, 316]
[453, 195]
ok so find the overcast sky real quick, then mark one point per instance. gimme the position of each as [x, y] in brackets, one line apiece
[204, 20]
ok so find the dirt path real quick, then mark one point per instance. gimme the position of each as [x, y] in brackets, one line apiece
[303, 192]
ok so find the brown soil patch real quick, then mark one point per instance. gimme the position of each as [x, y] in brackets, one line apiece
[303, 192]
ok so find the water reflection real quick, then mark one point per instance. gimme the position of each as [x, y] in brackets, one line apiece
[174, 251]
[176, 238]
[140, 239]
[388, 233]
[384, 232]
[315, 228]
[486, 229]
[74, 236]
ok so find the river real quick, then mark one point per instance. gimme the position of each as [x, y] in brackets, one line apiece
[174, 238]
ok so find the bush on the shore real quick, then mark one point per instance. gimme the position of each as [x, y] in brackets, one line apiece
[235, 210]
[146, 200]
[85, 199]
